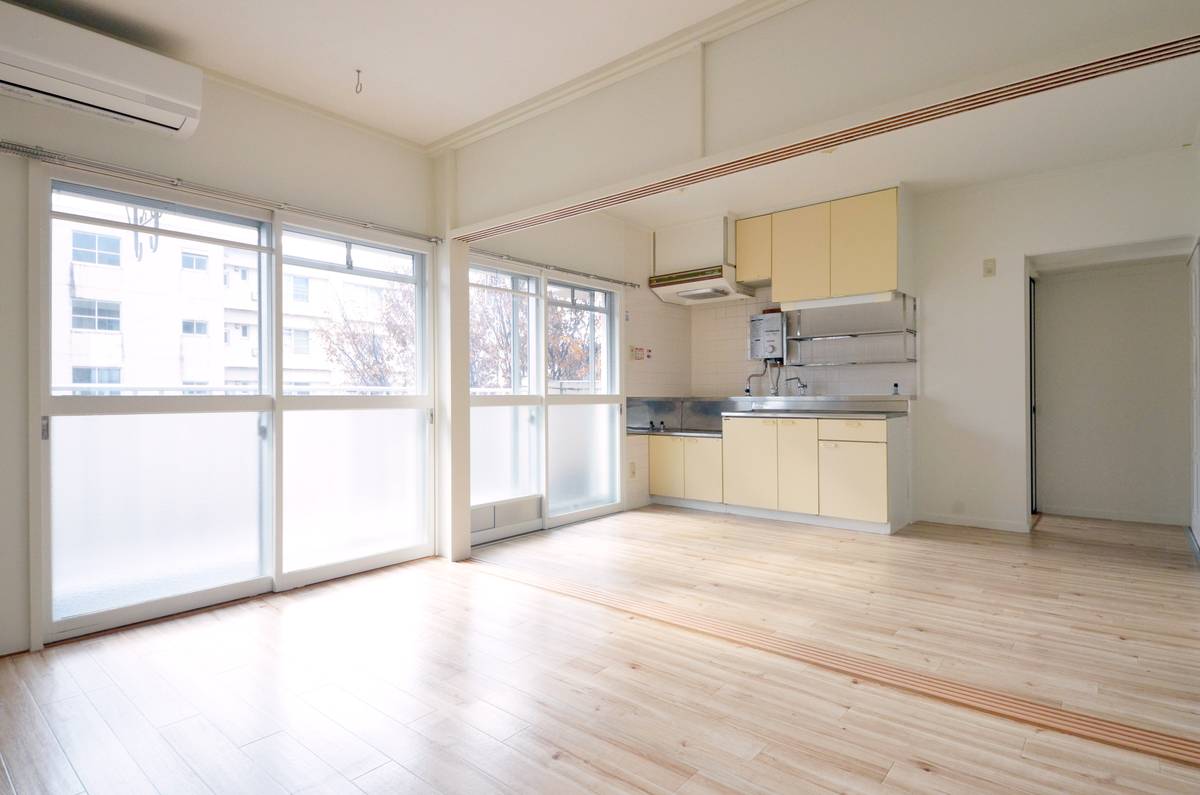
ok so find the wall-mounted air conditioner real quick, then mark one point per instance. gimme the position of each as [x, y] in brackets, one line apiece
[45, 60]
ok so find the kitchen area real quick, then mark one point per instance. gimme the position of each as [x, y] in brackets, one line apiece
[814, 304]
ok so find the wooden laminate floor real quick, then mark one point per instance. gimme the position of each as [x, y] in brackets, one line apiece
[435, 677]
[1092, 616]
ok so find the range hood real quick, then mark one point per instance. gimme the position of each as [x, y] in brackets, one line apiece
[700, 286]
[692, 263]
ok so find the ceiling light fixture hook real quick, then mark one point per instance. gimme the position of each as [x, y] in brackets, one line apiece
[358, 81]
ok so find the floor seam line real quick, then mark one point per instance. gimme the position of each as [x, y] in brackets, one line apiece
[998, 704]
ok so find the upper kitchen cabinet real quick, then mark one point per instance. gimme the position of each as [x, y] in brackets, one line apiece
[833, 252]
[753, 246]
[800, 253]
[864, 244]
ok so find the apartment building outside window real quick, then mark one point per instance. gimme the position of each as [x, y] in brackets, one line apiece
[91, 315]
[194, 262]
[95, 248]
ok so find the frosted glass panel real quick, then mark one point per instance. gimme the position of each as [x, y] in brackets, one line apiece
[583, 457]
[506, 453]
[149, 506]
[353, 484]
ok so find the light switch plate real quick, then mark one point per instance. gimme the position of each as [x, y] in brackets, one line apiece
[989, 267]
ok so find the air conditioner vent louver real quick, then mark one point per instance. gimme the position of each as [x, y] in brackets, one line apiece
[50, 62]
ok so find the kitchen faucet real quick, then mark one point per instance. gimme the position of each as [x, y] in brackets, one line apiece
[803, 386]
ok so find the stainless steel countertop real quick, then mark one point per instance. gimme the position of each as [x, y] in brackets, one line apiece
[700, 434]
[821, 415]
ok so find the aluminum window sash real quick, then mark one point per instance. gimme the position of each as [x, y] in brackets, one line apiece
[152, 230]
[354, 402]
[583, 399]
[530, 399]
[301, 262]
[88, 405]
[404, 243]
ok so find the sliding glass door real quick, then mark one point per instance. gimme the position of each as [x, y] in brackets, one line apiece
[156, 431]
[356, 410]
[218, 420]
[545, 413]
[584, 403]
[505, 317]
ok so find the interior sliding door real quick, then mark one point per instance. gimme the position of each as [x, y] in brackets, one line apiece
[355, 408]
[155, 462]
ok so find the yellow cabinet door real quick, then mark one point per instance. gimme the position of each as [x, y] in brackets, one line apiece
[864, 253]
[852, 430]
[800, 253]
[751, 463]
[853, 480]
[702, 469]
[798, 478]
[753, 250]
[666, 466]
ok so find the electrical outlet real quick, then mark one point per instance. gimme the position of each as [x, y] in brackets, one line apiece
[632, 470]
[989, 267]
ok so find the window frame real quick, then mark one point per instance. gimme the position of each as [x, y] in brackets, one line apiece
[543, 398]
[185, 256]
[95, 249]
[95, 317]
[46, 403]
[421, 399]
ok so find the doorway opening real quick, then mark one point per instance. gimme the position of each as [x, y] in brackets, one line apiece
[1110, 386]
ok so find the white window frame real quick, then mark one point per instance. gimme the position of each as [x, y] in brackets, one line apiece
[196, 326]
[44, 404]
[96, 252]
[423, 399]
[542, 399]
[270, 403]
[193, 257]
[95, 315]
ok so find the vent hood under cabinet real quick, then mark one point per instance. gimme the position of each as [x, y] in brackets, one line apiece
[692, 263]
[703, 285]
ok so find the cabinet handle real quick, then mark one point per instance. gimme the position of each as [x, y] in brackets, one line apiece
[828, 444]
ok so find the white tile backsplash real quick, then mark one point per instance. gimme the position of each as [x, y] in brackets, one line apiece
[720, 360]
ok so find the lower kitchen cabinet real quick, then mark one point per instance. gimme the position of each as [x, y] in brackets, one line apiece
[685, 467]
[666, 466]
[702, 468]
[751, 462]
[854, 480]
[798, 491]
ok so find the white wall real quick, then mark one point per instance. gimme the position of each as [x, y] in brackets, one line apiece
[970, 422]
[646, 122]
[1114, 393]
[247, 142]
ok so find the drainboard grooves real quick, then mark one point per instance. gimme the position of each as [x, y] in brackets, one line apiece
[1023, 710]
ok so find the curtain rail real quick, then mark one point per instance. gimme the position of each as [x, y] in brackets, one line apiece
[555, 268]
[113, 170]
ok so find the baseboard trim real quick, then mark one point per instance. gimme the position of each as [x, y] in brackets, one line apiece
[1114, 516]
[1006, 525]
[1033, 713]
[880, 528]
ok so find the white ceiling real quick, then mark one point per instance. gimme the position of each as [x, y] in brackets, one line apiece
[1144, 110]
[430, 67]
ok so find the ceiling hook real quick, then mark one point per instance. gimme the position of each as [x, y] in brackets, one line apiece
[358, 81]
